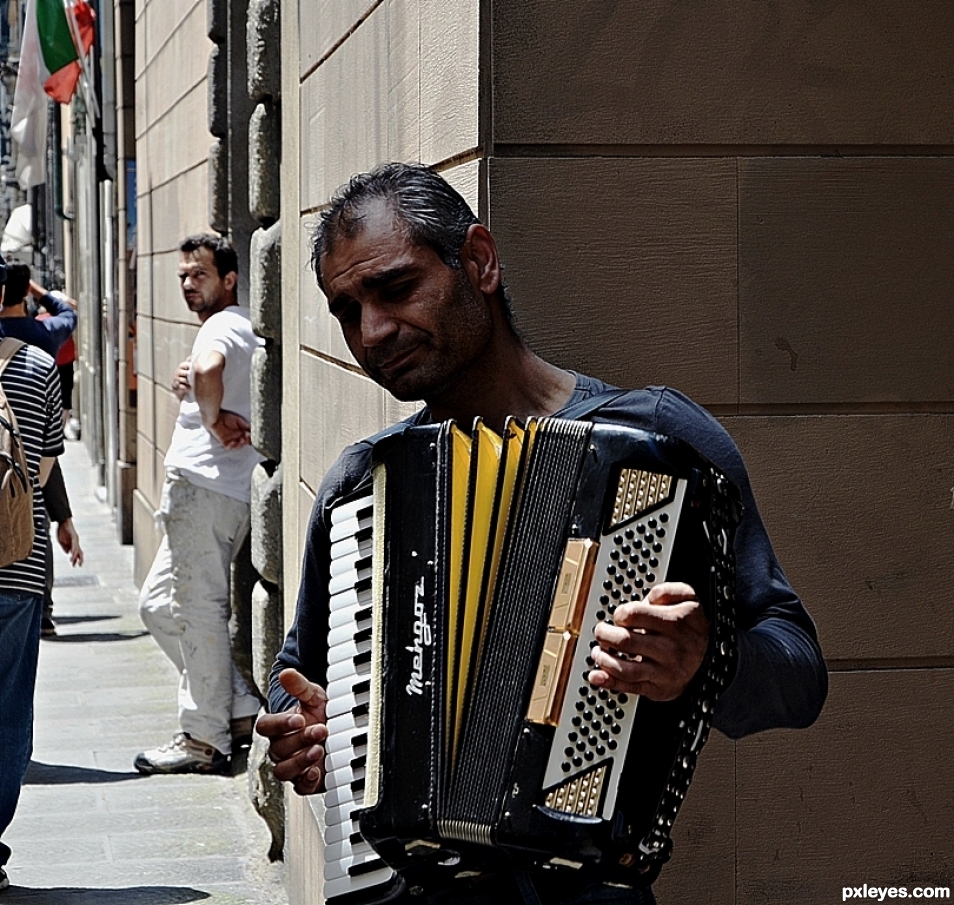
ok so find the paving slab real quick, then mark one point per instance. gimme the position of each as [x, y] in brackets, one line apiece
[89, 829]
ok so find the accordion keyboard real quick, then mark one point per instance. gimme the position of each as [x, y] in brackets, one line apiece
[352, 867]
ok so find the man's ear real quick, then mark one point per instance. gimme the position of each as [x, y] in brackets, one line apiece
[478, 257]
[229, 280]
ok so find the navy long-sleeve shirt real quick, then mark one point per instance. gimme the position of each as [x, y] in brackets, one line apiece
[50, 333]
[780, 680]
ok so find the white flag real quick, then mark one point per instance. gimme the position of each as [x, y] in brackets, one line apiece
[30, 106]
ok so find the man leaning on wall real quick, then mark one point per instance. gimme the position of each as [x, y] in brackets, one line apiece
[204, 514]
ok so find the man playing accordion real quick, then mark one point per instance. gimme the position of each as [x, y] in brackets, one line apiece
[414, 281]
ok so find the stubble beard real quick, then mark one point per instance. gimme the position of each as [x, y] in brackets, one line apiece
[442, 373]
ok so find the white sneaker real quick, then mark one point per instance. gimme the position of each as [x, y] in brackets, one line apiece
[183, 754]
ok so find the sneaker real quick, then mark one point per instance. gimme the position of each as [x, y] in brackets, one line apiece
[4, 880]
[241, 730]
[47, 627]
[183, 754]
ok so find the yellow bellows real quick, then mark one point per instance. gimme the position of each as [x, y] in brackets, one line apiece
[484, 482]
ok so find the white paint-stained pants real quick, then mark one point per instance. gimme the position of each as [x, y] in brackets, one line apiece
[184, 602]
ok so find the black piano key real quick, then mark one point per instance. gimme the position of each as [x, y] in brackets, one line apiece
[366, 867]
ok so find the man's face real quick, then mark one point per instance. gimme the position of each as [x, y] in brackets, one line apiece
[204, 291]
[416, 326]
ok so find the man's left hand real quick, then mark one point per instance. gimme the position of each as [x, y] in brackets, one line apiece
[232, 430]
[654, 647]
[69, 540]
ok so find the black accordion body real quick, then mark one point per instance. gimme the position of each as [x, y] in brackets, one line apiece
[464, 737]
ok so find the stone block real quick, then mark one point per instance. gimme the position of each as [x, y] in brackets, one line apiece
[267, 631]
[218, 82]
[218, 20]
[263, 40]
[267, 522]
[265, 282]
[219, 187]
[264, 152]
[266, 380]
[267, 795]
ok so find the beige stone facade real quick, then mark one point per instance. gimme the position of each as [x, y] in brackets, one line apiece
[752, 203]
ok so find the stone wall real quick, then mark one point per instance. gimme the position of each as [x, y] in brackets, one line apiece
[738, 202]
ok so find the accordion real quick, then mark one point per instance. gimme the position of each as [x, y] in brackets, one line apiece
[466, 582]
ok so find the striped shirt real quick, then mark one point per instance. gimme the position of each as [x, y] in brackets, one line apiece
[32, 386]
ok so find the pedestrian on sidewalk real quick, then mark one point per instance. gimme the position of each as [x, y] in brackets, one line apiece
[204, 512]
[48, 333]
[51, 330]
[31, 390]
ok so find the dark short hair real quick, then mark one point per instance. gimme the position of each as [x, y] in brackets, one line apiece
[429, 210]
[224, 255]
[17, 284]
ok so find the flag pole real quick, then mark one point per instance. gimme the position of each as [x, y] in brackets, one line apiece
[89, 96]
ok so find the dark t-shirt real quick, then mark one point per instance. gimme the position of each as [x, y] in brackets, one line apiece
[780, 680]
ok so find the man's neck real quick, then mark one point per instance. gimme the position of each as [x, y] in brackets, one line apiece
[523, 385]
[205, 315]
[18, 310]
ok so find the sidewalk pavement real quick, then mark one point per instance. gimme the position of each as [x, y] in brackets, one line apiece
[89, 830]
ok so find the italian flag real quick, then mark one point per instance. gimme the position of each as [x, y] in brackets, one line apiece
[57, 35]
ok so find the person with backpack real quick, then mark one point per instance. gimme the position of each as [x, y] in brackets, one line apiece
[51, 330]
[31, 437]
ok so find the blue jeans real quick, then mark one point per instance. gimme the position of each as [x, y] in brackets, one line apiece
[20, 614]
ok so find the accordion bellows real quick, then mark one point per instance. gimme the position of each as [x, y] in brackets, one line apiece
[474, 572]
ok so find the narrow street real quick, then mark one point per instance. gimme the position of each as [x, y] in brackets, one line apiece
[89, 829]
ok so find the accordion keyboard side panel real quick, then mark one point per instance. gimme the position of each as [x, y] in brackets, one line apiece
[595, 726]
[354, 873]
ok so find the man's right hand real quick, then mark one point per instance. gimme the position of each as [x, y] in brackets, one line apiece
[180, 381]
[296, 737]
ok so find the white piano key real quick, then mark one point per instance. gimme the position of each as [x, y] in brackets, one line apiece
[346, 686]
[349, 526]
[345, 698]
[348, 650]
[346, 864]
[340, 832]
[348, 562]
[349, 597]
[339, 583]
[342, 778]
[347, 668]
[341, 795]
[344, 634]
[345, 814]
[352, 543]
[347, 723]
[357, 615]
[343, 757]
[338, 886]
[340, 705]
[345, 851]
[344, 511]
